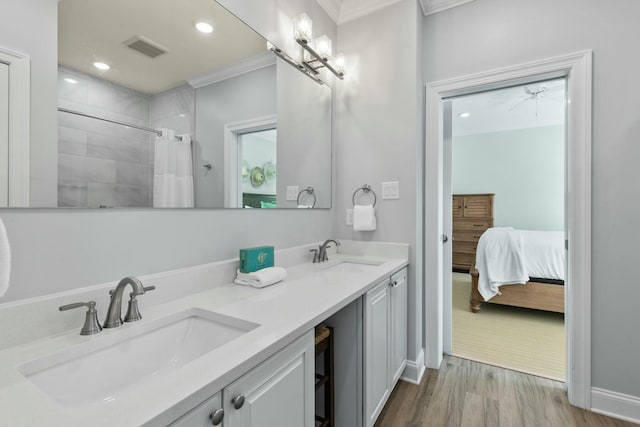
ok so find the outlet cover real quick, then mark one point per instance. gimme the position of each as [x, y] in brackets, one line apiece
[391, 190]
[292, 193]
[349, 217]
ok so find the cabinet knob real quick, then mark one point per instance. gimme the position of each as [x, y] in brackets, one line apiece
[216, 417]
[238, 401]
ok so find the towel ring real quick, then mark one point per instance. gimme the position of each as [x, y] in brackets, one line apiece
[310, 191]
[365, 189]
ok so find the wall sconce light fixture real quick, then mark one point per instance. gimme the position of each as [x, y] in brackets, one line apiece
[319, 53]
[288, 60]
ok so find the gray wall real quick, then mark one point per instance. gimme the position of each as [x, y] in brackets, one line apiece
[58, 250]
[247, 96]
[523, 167]
[378, 135]
[304, 136]
[30, 27]
[488, 34]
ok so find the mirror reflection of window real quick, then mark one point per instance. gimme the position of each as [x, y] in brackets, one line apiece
[257, 174]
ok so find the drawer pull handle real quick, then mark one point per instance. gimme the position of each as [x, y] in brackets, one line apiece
[478, 225]
[216, 417]
[238, 401]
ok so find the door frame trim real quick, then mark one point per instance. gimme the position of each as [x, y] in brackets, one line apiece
[232, 163]
[577, 68]
[19, 127]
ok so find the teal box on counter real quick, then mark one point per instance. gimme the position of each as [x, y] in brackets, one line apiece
[254, 259]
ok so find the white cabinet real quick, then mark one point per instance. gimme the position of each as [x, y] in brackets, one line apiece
[209, 413]
[385, 342]
[278, 392]
[398, 325]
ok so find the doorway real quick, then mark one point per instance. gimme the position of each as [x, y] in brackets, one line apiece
[504, 170]
[577, 68]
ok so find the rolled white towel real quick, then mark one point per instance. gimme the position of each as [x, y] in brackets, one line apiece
[261, 278]
[5, 260]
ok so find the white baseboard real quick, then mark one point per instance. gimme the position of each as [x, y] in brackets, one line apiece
[616, 405]
[414, 370]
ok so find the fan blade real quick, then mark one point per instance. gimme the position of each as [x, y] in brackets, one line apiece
[521, 102]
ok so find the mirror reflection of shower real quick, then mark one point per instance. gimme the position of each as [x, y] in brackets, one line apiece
[257, 174]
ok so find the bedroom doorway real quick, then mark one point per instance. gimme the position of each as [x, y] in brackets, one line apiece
[504, 171]
[577, 69]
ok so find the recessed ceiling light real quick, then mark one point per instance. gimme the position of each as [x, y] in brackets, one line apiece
[70, 80]
[464, 115]
[101, 66]
[204, 27]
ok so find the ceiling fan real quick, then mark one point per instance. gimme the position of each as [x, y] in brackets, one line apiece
[532, 94]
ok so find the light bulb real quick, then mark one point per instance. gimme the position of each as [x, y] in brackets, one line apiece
[323, 47]
[464, 115]
[71, 81]
[302, 26]
[338, 63]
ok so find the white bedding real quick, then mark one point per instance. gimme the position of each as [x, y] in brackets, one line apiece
[506, 256]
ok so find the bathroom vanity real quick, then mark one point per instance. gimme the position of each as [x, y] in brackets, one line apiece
[225, 355]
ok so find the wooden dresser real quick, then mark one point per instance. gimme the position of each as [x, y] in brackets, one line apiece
[472, 215]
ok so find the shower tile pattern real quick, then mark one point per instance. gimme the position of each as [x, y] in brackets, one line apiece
[102, 164]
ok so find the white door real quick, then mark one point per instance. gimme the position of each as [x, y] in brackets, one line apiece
[376, 355]
[447, 221]
[278, 392]
[4, 135]
[399, 325]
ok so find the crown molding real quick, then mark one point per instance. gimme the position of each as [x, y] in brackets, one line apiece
[332, 7]
[430, 7]
[252, 63]
[354, 9]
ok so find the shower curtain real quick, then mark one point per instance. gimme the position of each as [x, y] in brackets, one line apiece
[173, 172]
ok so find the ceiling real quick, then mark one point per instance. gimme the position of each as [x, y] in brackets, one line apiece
[346, 10]
[95, 30]
[510, 109]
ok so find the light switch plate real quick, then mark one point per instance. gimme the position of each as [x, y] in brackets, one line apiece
[391, 190]
[292, 193]
[349, 216]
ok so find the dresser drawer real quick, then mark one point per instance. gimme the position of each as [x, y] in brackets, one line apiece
[472, 225]
[467, 236]
[464, 247]
[463, 260]
[478, 207]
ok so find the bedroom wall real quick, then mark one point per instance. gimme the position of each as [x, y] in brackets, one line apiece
[525, 170]
[488, 34]
[55, 250]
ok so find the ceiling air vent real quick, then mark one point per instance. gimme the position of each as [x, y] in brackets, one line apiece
[145, 46]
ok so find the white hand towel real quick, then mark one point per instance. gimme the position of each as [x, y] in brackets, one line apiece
[364, 218]
[5, 260]
[261, 278]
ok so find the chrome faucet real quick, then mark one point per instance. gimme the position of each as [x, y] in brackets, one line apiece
[114, 312]
[321, 255]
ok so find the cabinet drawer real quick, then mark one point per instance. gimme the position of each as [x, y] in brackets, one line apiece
[472, 225]
[464, 247]
[478, 207]
[457, 204]
[463, 260]
[467, 236]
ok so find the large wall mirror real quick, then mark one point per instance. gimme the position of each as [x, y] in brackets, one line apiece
[166, 103]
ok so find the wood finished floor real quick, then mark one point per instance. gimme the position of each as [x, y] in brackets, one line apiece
[469, 394]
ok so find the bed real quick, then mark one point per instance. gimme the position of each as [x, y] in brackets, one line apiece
[519, 268]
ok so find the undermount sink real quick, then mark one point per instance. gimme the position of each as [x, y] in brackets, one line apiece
[353, 265]
[101, 368]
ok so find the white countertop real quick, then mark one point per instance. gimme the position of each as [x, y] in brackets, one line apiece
[284, 312]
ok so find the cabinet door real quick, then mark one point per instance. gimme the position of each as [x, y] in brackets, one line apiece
[203, 414]
[4, 135]
[376, 355]
[398, 325]
[478, 206]
[278, 392]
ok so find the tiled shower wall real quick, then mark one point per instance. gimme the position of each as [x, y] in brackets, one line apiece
[99, 163]
[104, 164]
